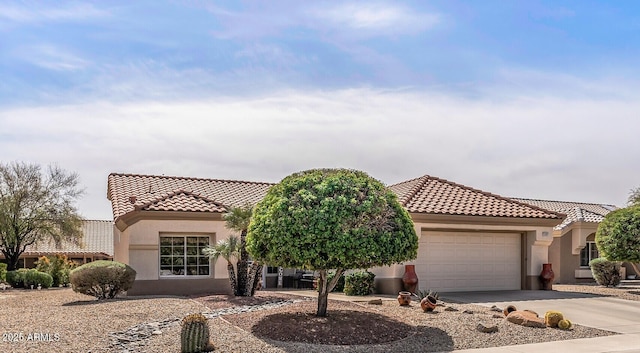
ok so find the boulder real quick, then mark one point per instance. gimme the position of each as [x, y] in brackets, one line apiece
[375, 302]
[526, 318]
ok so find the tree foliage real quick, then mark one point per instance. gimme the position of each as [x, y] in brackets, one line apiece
[36, 206]
[618, 236]
[634, 197]
[326, 219]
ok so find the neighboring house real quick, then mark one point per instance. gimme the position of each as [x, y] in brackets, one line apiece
[468, 239]
[97, 244]
[574, 239]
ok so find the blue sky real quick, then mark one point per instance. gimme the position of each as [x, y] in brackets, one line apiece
[524, 98]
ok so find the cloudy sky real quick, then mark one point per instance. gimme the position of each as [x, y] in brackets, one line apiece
[536, 99]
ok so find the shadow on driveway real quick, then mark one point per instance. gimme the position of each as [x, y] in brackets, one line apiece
[510, 296]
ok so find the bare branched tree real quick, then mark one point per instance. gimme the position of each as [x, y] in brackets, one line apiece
[36, 206]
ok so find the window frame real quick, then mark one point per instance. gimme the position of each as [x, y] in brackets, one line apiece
[185, 254]
[588, 250]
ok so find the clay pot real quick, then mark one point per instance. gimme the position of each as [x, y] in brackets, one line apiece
[546, 277]
[428, 303]
[404, 298]
[410, 279]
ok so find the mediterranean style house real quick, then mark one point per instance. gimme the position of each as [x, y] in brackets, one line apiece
[468, 239]
[97, 244]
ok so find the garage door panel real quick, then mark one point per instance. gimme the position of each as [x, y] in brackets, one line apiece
[467, 261]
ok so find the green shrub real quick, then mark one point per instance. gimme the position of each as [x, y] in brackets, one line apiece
[58, 266]
[16, 278]
[3, 272]
[102, 279]
[33, 277]
[606, 273]
[359, 283]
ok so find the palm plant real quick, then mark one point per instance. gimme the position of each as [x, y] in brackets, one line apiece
[237, 219]
[228, 249]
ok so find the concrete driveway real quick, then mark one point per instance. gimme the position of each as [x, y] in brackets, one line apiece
[606, 313]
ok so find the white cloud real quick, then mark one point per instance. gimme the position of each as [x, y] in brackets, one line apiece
[380, 18]
[544, 147]
[51, 57]
[38, 12]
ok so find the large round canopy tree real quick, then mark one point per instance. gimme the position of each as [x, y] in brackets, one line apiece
[618, 236]
[326, 219]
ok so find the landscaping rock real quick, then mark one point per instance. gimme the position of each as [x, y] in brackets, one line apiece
[486, 329]
[526, 318]
[468, 312]
[495, 308]
[450, 308]
[375, 302]
[497, 316]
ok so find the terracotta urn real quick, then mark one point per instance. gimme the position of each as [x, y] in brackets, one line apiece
[404, 298]
[428, 303]
[410, 279]
[546, 277]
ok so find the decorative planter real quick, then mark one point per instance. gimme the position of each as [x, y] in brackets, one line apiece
[546, 277]
[410, 279]
[404, 298]
[428, 303]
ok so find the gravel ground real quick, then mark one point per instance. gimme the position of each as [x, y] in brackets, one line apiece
[623, 291]
[81, 323]
[77, 323]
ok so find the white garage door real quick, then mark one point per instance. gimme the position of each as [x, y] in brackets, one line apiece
[468, 261]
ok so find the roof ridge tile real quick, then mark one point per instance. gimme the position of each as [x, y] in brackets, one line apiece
[190, 178]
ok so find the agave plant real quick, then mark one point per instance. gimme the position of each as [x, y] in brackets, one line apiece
[421, 294]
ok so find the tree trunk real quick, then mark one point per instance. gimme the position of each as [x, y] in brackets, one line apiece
[232, 278]
[324, 288]
[257, 279]
[12, 260]
[323, 294]
[253, 279]
[242, 266]
[635, 267]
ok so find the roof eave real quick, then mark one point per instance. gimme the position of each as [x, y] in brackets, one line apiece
[125, 221]
[484, 220]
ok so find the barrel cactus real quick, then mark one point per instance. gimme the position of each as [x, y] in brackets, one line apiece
[195, 334]
[551, 318]
[564, 324]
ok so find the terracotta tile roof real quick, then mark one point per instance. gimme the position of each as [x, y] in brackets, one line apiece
[98, 239]
[575, 211]
[181, 200]
[433, 195]
[128, 192]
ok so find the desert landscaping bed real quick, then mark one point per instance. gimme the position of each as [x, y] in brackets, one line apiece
[85, 325]
[623, 291]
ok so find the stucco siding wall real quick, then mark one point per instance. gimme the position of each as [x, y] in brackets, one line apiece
[570, 262]
[120, 246]
[144, 239]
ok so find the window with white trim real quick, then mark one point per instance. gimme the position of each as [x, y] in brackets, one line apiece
[588, 253]
[182, 256]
